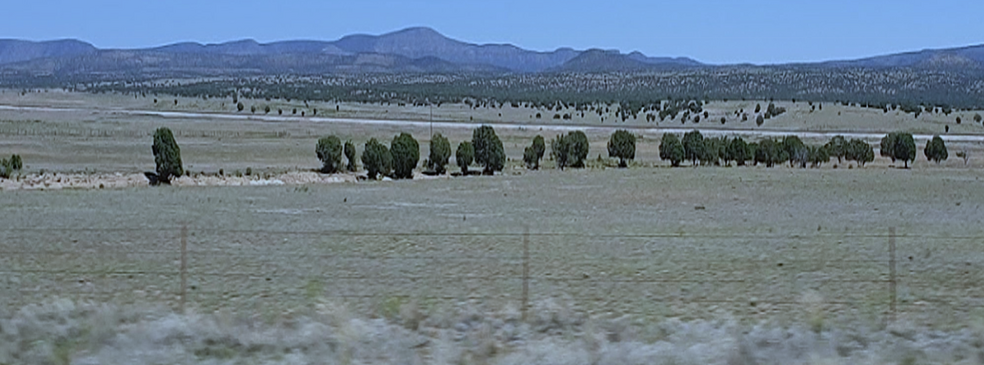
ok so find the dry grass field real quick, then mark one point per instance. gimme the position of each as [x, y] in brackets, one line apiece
[761, 265]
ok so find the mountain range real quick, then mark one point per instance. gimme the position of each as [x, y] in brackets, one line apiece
[416, 49]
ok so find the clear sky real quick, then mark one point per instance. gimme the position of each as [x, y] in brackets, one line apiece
[713, 31]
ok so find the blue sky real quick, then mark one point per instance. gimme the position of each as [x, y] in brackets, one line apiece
[714, 31]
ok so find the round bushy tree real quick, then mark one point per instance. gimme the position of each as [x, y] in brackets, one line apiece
[737, 151]
[936, 150]
[406, 154]
[350, 155]
[577, 148]
[329, 151]
[440, 153]
[559, 151]
[901, 147]
[488, 149]
[538, 148]
[670, 149]
[464, 156]
[837, 147]
[693, 146]
[621, 145]
[167, 156]
[860, 151]
[376, 158]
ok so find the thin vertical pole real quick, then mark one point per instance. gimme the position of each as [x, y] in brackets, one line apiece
[892, 290]
[526, 271]
[184, 265]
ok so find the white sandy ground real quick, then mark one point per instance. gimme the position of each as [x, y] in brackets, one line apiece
[66, 332]
[757, 133]
[56, 181]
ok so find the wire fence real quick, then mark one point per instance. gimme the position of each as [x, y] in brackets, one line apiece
[882, 275]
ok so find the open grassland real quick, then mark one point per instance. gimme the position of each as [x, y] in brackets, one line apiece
[753, 244]
[75, 132]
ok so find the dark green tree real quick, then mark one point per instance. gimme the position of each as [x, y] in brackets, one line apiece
[936, 150]
[769, 153]
[539, 147]
[671, 149]
[376, 158]
[240, 107]
[795, 151]
[901, 146]
[167, 156]
[406, 154]
[529, 158]
[488, 150]
[329, 151]
[737, 151]
[693, 146]
[16, 163]
[622, 145]
[570, 150]
[464, 156]
[759, 120]
[818, 155]
[440, 153]
[837, 147]
[860, 151]
[350, 155]
[978, 118]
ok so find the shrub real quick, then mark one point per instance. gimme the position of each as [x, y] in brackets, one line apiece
[240, 106]
[529, 158]
[464, 156]
[329, 151]
[5, 169]
[936, 150]
[759, 120]
[622, 146]
[978, 118]
[406, 154]
[488, 149]
[539, 147]
[167, 156]
[16, 163]
[377, 159]
[350, 155]
[440, 153]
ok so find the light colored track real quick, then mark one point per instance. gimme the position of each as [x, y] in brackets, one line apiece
[517, 126]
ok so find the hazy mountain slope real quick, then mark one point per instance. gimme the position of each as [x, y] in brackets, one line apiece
[13, 50]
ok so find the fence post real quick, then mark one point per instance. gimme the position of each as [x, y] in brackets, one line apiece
[184, 265]
[892, 293]
[526, 271]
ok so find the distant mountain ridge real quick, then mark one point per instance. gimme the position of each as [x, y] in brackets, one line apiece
[416, 49]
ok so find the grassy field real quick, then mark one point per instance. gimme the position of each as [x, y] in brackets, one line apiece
[652, 243]
[97, 133]
[805, 251]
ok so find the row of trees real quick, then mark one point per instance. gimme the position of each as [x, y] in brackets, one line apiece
[695, 148]
[568, 150]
